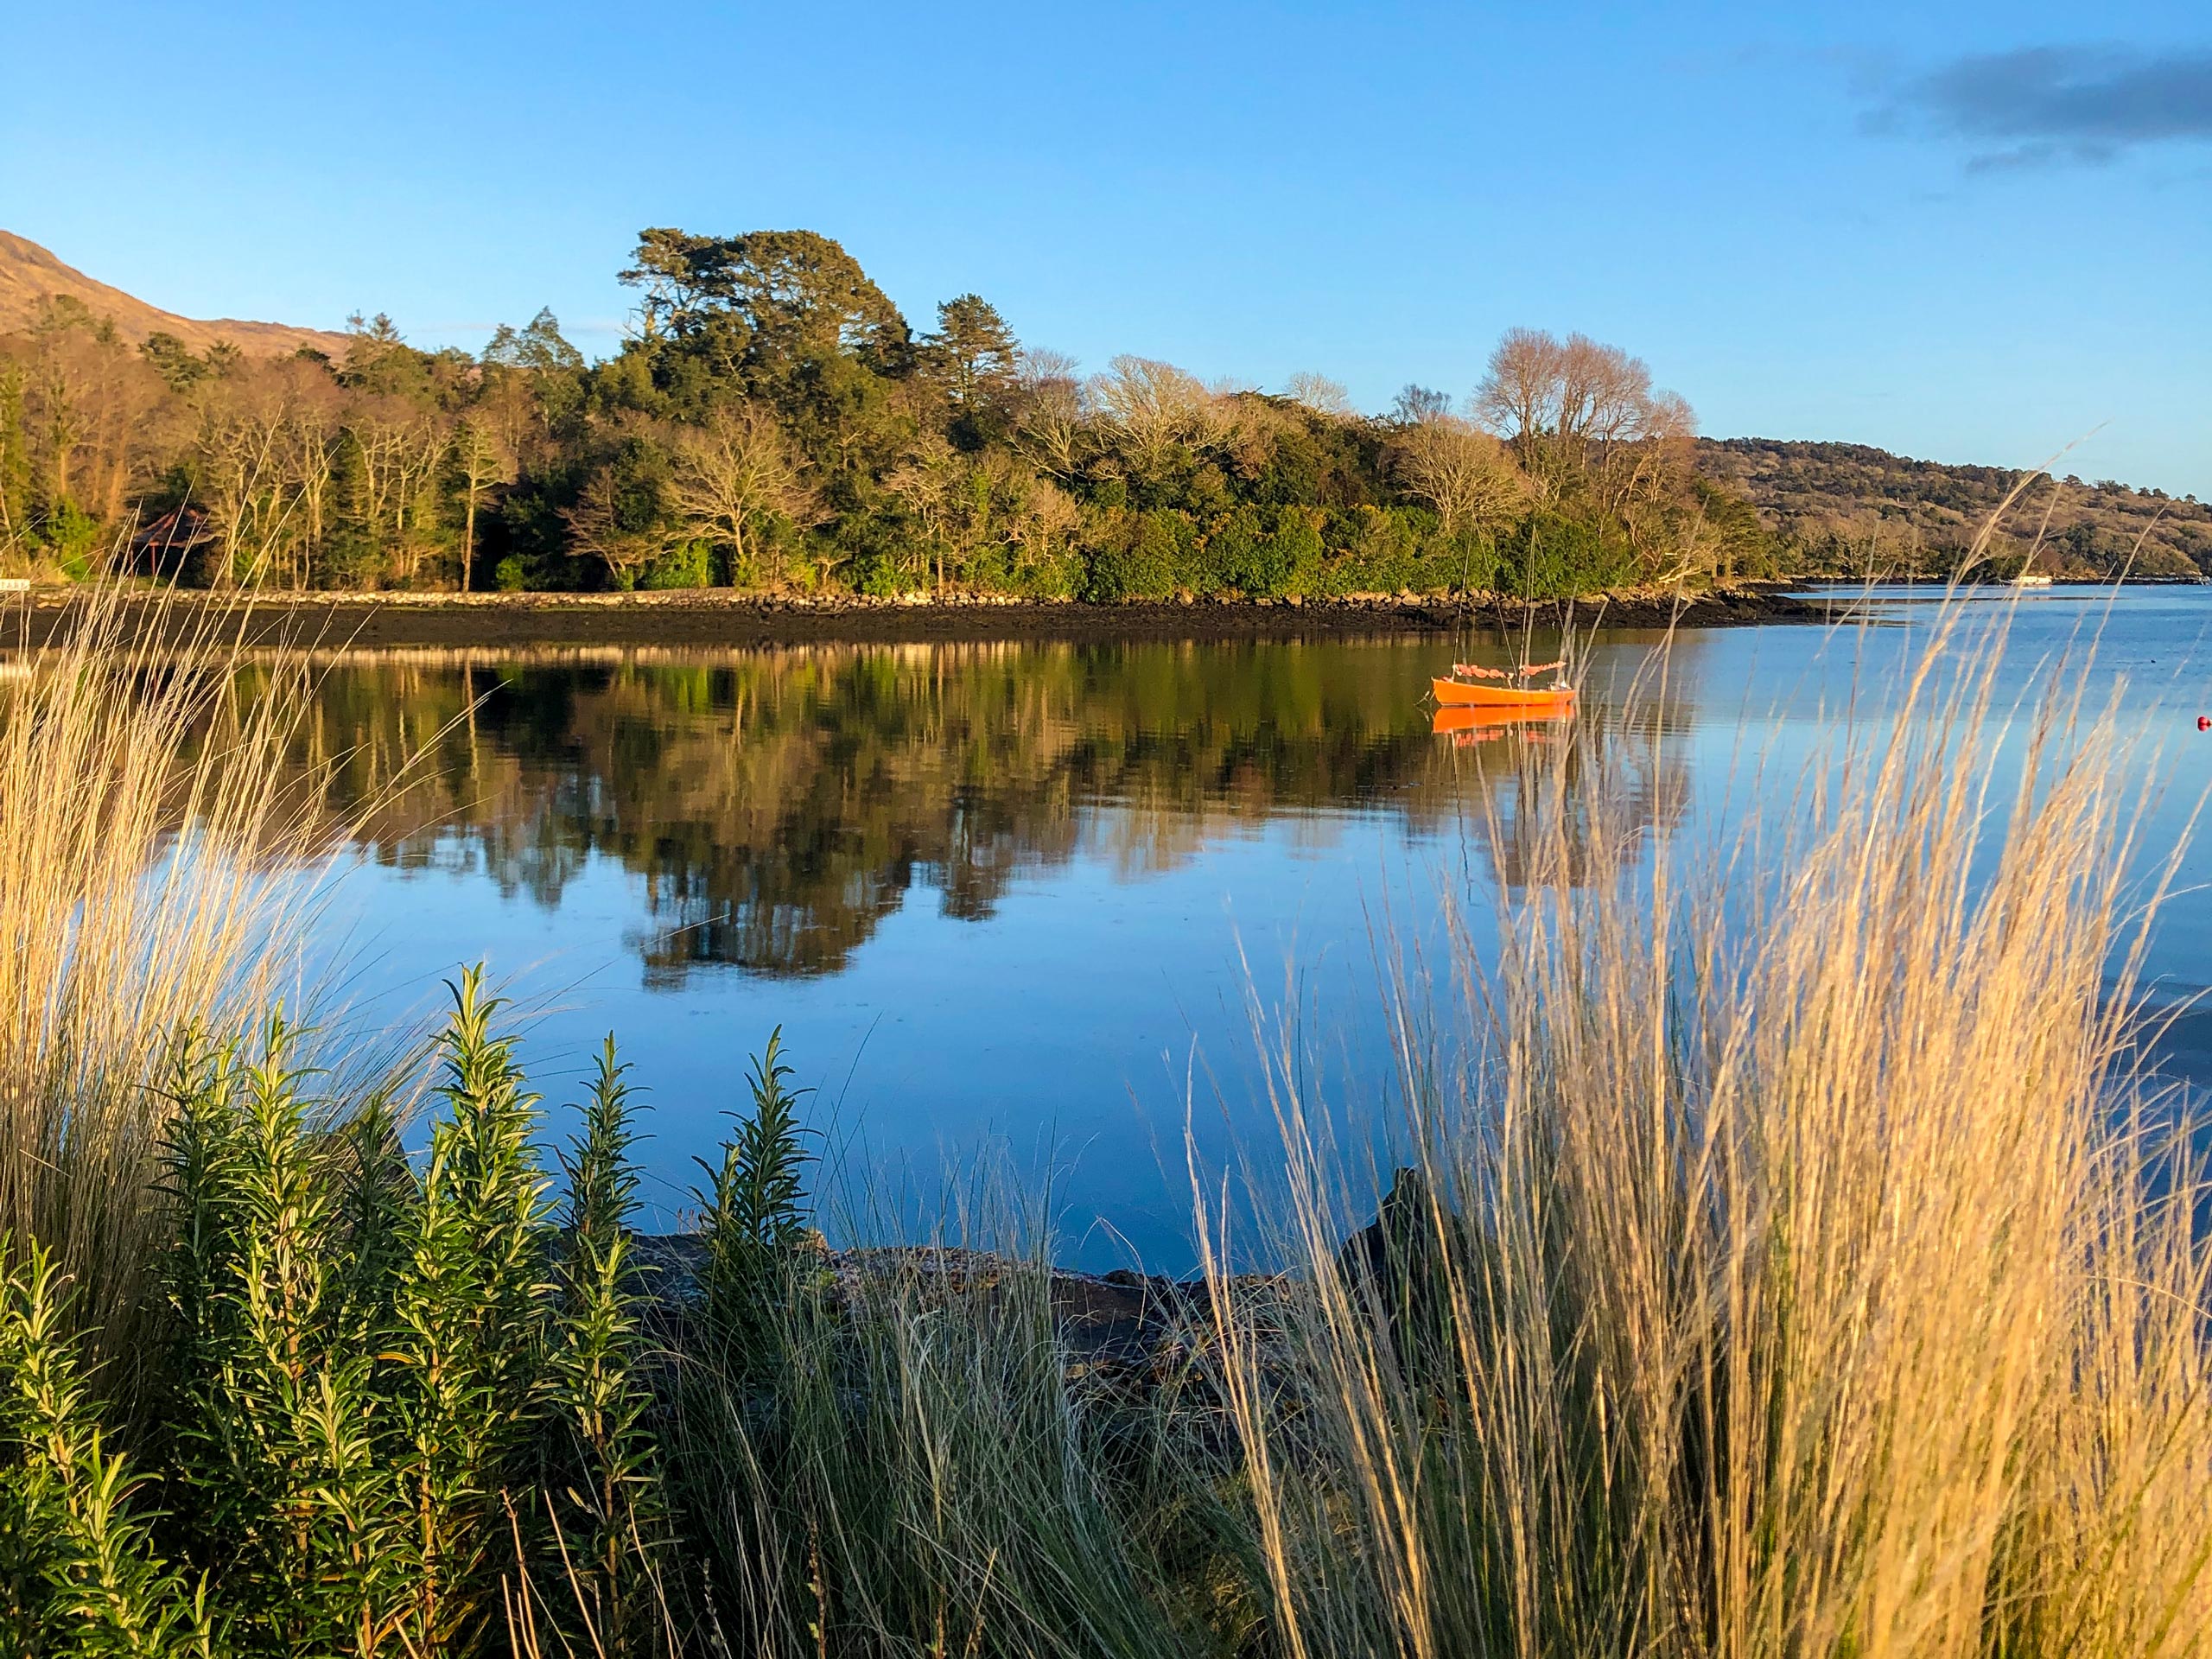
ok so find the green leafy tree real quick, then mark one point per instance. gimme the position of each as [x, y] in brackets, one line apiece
[795, 295]
[538, 347]
[973, 352]
[174, 360]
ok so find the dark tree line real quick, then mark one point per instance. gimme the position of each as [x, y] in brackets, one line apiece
[775, 422]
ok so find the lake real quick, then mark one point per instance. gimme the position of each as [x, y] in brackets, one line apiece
[1021, 899]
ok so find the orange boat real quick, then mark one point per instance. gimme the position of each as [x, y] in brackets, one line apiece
[1462, 693]
[1474, 686]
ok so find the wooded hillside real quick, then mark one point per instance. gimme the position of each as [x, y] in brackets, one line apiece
[1851, 509]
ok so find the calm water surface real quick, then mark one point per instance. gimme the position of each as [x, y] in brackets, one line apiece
[1019, 898]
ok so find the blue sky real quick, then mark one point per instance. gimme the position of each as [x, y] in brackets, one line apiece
[1973, 233]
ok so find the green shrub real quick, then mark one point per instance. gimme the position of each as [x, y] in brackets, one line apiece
[279, 1398]
[78, 1572]
[73, 538]
[605, 1490]
[1214, 565]
[1139, 562]
[1552, 556]
[754, 1209]
[879, 560]
[385, 1381]
[687, 564]
[1287, 561]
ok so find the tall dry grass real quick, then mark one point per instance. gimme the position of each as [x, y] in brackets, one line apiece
[1792, 1266]
[150, 852]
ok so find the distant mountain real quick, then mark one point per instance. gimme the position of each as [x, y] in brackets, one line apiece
[1849, 507]
[28, 274]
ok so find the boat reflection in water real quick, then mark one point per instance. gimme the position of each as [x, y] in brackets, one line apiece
[1470, 725]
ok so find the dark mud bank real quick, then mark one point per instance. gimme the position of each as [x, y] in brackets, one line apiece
[708, 620]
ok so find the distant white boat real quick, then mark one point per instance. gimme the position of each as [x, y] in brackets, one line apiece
[2032, 579]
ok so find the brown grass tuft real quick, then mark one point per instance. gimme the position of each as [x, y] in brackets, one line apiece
[151, 879]
[1791, 1266]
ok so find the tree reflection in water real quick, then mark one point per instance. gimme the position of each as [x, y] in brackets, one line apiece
[777, 806]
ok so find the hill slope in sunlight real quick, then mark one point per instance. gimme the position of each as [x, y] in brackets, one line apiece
[30, 274]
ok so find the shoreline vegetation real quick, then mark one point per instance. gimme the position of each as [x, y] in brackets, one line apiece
[774, 425]
[1783, 1259]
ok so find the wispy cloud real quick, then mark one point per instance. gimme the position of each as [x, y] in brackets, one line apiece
[2042, 105]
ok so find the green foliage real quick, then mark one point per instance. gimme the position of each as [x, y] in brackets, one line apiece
[1139, 560]
[1282, 561]
[754, 1208]
[687, 564]
[536, 348]
[371, 1364]
[602, 1184]
[172, 360]
[16, 472]
[79, 1572]
[281, 1404]
[877, 558]
[1553, 555]
[73, 538]
[468, 1338]
[607, 1509]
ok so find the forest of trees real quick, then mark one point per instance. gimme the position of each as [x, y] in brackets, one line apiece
[774, 423]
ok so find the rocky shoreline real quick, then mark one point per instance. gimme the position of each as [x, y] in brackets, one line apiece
[1121, 1326]
[713, 618]
[1113, 1324]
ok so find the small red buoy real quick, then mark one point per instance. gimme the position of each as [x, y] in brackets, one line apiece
[2204, 723]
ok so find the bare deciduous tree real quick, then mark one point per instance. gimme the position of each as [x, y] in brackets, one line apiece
[1519, 397]
[1052, 412]
[1466, 474]
[398, 448]
[1320, 394]
[86, 407]
[263, 450]
[241, 486]
[481, 459]
[595, 529]
[1047, 519]
[732, 471]
[1416, 404]
[1153, 407]
[927, 486]
[1579, 412]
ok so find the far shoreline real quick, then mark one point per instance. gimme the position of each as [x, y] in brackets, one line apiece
[722, 617]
